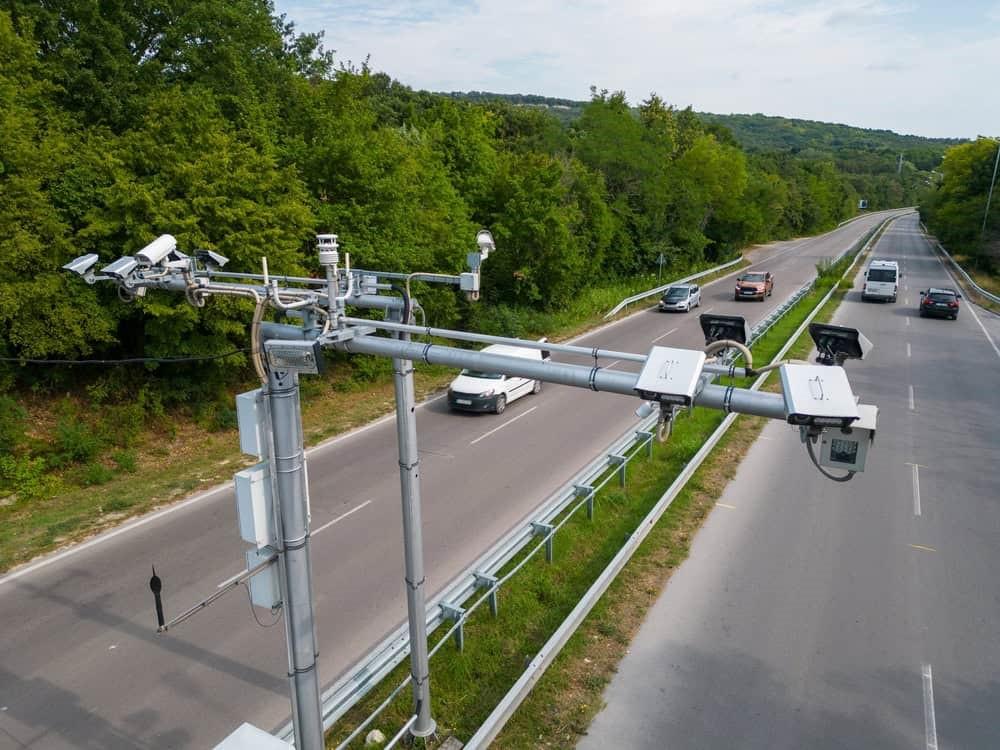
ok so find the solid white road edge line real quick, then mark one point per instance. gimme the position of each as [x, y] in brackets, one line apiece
[985, 332]
[930, 725]
[508, 422]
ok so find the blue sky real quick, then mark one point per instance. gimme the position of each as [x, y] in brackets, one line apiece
[918, 66]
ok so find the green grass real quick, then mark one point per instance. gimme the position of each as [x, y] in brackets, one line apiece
[466, 685]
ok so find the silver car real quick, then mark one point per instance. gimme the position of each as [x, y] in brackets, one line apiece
[680, 298]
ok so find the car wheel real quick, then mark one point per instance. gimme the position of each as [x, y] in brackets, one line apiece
[537, 388]
[501, 404]
[736, 297]
[770, 292]
[923, 314]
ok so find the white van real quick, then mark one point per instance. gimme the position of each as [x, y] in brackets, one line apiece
[492, 391]
[881, 280]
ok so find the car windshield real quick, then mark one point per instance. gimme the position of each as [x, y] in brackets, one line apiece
[676, 292]
[482, 375]
[753, 277]
[881, 274]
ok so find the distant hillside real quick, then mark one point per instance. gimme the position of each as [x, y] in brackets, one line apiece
[758, 133]
[764, 133]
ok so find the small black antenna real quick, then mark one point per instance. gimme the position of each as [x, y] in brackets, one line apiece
[156, 586]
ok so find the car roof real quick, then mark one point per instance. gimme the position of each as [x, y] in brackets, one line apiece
[681, 286]
[941, 290]
[880, 262]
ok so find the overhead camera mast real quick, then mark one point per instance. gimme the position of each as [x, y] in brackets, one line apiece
[272, 496]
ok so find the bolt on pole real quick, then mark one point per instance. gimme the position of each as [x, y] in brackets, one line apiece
[413, 549]
[288, 465]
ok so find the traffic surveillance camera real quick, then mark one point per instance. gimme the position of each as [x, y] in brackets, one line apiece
[670, 375]
[847, 447]
[484, 240]
[724, 328]
[818, 396]
[838, 343]
[121, 268]
[211, 259]
[156, 250]
[83, 266]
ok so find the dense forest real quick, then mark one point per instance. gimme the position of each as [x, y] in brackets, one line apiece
[220, 124]
[883, 167]
[956, 209]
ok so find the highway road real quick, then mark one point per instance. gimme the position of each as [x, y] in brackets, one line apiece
[81, 665]
[817, 615]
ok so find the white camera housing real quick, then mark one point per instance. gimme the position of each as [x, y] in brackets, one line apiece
[670, 375]
[83, 266]
[156, 250]
[818, 395]
[121, 268]
[847, 448]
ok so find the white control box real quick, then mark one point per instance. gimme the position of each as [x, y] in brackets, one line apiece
[670, 375]
[255, 505]
[250, 418]
[265, 592]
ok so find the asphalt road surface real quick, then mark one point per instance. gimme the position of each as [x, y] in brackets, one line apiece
[816, 615]
[81, 665]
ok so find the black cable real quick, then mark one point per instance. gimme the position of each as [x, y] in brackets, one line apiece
[254, 612]
[406, 303]
[809, 449]
[126, 361]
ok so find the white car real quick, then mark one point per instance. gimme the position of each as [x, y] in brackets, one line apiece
[492, 391]
[681, 297]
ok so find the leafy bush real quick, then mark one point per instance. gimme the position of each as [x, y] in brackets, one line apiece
[95, 474]
[28, 477]
[12, 423]
[76, 441]
[125, 460]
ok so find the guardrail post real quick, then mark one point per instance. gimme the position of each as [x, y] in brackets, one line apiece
[546, 530]
[486, 581]
[618, 461]
[648, 438]
[585, 490]
[451, 613]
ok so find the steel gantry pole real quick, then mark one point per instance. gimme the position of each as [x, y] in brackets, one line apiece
[413, 546]
[989, 196]
[292, 514]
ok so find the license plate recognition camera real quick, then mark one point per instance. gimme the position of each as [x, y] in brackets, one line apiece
[724, 328]
[836, 344]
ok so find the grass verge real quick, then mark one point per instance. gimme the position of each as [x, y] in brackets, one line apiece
[466, 685]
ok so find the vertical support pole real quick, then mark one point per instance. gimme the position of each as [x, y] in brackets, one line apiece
[295, 569]
[486, 581]
[590, 506]
[413, 549]
[619, 461]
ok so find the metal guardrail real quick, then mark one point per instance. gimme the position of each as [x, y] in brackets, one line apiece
[509, 703]
[954, 263]
[482, 577]
[660, 289]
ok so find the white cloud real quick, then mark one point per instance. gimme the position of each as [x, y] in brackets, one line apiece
[864, 62]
